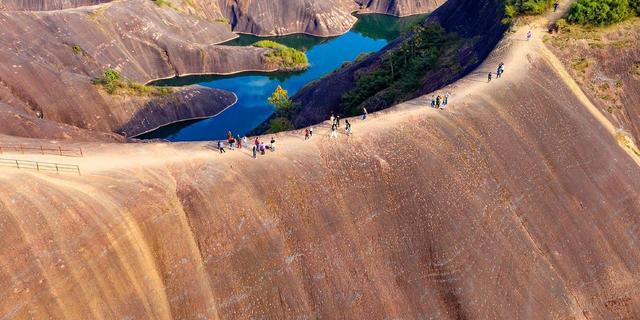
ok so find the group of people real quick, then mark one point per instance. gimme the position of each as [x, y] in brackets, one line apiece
[499, 72]
[240, 143]
[335, 125]
[440, 102]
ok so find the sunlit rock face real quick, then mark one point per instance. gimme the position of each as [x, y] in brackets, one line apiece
[50, 71]
[399, 7]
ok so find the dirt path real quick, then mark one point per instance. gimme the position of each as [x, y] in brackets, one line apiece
[514, 50]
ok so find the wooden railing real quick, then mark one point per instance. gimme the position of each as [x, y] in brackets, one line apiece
[51, 150]
[40, 166]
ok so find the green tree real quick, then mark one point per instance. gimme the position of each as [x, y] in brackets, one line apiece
[280, 99]
[111, 75]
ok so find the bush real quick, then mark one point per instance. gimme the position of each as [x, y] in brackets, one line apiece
[113, 84]
[602, 12]
[285, 57]
[280, 124]
[76, 49]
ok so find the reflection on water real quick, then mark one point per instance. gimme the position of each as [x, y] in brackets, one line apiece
[371, 33]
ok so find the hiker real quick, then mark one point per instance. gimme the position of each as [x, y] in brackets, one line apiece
[338, 121]
[221, 146]
[257, 142]
[347, 128]
[334, 131]
[306, 134]
[529, 35]
[262, 148]
[433, 101]
[231, 140]
[273, 144]
[239, 142]
[364, 113]
[556, 6]
[255, 151]
[489, 77]
[245, 141]
[311, 131]
[333, 119]
[501, 69]
[445, 102]
[438, 100]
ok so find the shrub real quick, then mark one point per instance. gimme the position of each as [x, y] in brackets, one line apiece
[285, 57]
[601, 12]
[76, 49]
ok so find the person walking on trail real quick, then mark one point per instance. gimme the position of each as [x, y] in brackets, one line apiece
[334, 131]
[257, 142]
[529, 35]
[333, 119]
[347, 128]
[338, 121]
[489, 77]
[445, 102]
[438, 101]
[310, 131]
[500, 69]
[364, 113]
[272, 145]
[245, 141]
[255, 151]
[239, 142]
[556, 6]
[306, 134]
[433, 101]
[263, 147]
[221, 146]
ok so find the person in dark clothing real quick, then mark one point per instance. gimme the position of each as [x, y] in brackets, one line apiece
[221, 146]
[255, 152]
[489, 77]
[338, 121]
[306, 134]
[556, 6]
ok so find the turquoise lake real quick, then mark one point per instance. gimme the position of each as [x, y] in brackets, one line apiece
[370, 34]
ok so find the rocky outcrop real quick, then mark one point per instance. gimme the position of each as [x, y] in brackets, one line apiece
[399, 7]
[476, 23]
[45, 5]
[49, 59]
[516, 205]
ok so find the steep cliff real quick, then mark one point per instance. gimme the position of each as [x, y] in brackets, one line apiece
[477, 26]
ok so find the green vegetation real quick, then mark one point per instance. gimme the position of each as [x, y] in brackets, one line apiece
[284, 106]
[580, 64]
[286, 58]
[401, 70]
[115, 84]
[223, 20]
[77, 49]
[635, 69]
[280, 99]
[602, 12]
[514, 8]
[280, 124]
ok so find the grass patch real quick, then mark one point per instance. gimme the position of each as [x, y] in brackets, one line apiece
[627, 141]
[222, 20]
[114, 84]
[286, 58]
[580, 64]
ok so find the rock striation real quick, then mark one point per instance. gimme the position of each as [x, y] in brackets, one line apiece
[399, 7]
